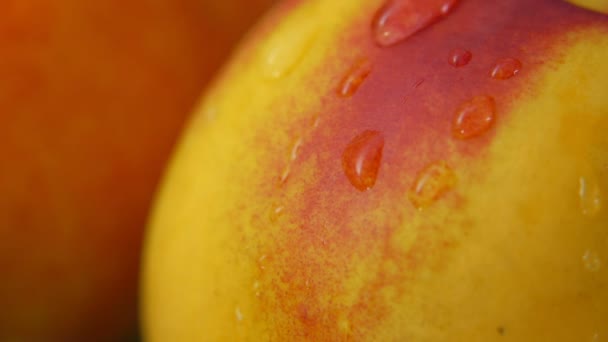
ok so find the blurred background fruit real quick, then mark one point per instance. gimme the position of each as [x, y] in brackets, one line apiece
[92, 96]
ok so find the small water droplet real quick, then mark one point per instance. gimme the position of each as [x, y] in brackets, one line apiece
[315, 121]
[505, 68]
[285, 174]
[261, 262]
[474, 117]
[295, 149]
[431, 183]
[354, 78]
[361, 159]
[595, 337]
[397, 20]
[238, 314]
[460, 57]
[256, 288]
[287, 46]
[591, 261]
[276, 213]
[589, 194]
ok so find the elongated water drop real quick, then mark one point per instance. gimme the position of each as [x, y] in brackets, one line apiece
[589, 194]
[505, 68]
[354, 78]
[399, 19]
[431, 183]
[460, 57]
[361, 159]
[474, 117]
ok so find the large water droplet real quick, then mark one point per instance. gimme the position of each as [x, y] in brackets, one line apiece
[460, 57]
[474, 117]
[354, 78]
[431, 183]
[361, 159]
[287, 46]
[399, 19]
[589, 194]
[505, 68]
[591, 261]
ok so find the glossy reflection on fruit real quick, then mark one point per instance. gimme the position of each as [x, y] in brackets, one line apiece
[433, 203]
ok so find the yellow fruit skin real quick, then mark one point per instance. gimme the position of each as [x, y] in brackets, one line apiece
[258, 234]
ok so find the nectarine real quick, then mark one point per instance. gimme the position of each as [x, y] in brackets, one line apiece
[393, 170]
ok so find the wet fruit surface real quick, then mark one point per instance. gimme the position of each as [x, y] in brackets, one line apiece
[422, 194]
[460, 57]
[474, 117]
[361, 159]
[505, 68]
[354, 78]
[397, 20]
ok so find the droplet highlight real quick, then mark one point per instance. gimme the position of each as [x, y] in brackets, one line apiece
[276, 213]
[361, 159]
[589, 194]
[505, 68]
[397, 20]
[460, 57]
[238, 314]
[474, 117]
[354, 78]
[431, 183]
[591, 261]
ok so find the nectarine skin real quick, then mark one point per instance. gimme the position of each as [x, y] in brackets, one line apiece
[485, 217]
[93, 95]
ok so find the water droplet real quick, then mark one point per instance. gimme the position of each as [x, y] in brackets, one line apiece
[276, 213]
[238, 314]
[474, 117]
[354, 78]
[399, 19]
[285, 174]
[287, 46]
[361, 159]
[295, 149]
[431, 183]
[314, 123]
[261, 262]
[589, 196]
[595, 337]
[460, 57]
[256, 288]
[505, 68]
[592, 261]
